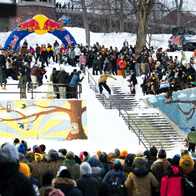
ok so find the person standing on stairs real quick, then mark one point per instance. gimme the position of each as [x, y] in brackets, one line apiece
[102, 82]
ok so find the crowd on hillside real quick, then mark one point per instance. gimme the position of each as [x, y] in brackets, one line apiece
[160, 72]
[31, 171]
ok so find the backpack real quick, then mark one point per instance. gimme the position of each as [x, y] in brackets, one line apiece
[116, 185]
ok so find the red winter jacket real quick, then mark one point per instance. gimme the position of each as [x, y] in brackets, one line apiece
[171, 182]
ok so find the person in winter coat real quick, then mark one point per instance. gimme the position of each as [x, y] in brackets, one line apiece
[74, 83]
[62, 80]
[140, 181]
[44, 56]
[102, 82]
[171, 182]
[159, 167]
[53, 79]
[191, 139]
[65, 183]
[127, 166]
[95, 65]
[77, 53]
[104, 160]
[12, 181]
[97, 167]
[122, 65]
[37, 51]
[22, 84]
[86, 184]
[46, 182]
[116, 176]
[3, 80]
[82, 61]
[50, 51]
[133, 81]
[72, 166]
[72, 57]
[188, 166]
[34, 73]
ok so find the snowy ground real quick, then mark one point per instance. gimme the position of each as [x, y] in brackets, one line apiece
[106, 131]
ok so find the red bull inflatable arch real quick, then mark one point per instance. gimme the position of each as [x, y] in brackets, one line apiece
[39, 24]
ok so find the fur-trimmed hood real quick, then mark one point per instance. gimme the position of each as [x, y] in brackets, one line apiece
[60, 180]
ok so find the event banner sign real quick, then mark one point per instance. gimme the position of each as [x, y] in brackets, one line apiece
[47, 119]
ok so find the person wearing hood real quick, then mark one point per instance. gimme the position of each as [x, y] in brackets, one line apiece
[12, 181]
[75, 80]
[127, 166]
[86, 184]
[171, 182]
[72, 166]
[188, 166]
[159, 167]
[46, 182]
[97, 167]
[62, 80]
[65, 183]
[104, 159]
[141, 180]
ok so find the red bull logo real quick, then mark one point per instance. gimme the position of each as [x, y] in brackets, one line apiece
[13, 42]
[31, 25]
[51, 25]
[67, 38]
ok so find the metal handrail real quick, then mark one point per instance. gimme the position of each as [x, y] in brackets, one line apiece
[92, 81]
[34, 90]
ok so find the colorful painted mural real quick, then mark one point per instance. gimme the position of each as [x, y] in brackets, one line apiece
[46, 119]
[181, 109]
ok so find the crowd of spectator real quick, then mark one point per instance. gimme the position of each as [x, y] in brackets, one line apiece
[160, 72]
[31, 171]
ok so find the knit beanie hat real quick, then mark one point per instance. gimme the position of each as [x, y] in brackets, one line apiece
[85, 168]
[192, 128]
[124, 153]
[147, 154]
[186, 163]
[110, 156]
[63, 172]
[116, 153]
[86, 156]
[9, 153]
[24, 168]
[81, 156]
[175, 160]
[47, 177]
[43, 147]
[21, 148]
[98, 152]
[36, 149]
[70, 155]
[56, 192]
[153, 151]
[162, 154]
[117, 165]
[16, 140]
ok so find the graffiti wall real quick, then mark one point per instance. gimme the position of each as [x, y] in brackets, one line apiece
[181, 109]
[46, 119]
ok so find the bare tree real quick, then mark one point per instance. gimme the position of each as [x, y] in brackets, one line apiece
[144, 8]
[85, 17]
[179, 4]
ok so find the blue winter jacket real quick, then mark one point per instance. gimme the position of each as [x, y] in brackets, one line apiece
[118, 173]
[75, 80]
